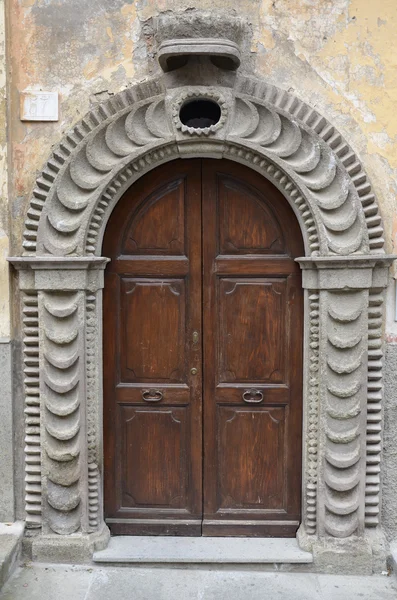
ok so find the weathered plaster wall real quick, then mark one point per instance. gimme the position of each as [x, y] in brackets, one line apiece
[338, 55]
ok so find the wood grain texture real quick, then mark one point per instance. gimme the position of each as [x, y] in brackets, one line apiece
[152, 305]
[151, 230]
[253, 347]
[251, 316]
[203, 277]
[246, 224]
[251, 458]
[141, 344]
[143, 461]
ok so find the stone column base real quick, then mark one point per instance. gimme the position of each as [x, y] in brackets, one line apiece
[355, 555]
[74, 548]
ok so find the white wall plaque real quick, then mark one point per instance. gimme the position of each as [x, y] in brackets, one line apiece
[39, 106]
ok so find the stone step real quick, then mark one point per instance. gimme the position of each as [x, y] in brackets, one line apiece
[10, 548]
[393, 558]
[202, 550]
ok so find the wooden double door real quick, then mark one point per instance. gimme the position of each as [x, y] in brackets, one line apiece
[203, 355]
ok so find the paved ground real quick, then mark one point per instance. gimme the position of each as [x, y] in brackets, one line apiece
[41, 582]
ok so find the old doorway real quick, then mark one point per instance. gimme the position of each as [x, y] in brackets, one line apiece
[203, 320]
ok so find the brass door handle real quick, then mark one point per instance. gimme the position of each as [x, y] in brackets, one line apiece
[253, 396]
[152, 395]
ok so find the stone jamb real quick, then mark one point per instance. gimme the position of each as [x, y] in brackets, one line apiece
[67, 293]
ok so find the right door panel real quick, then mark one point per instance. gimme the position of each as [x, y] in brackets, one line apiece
[252, 334]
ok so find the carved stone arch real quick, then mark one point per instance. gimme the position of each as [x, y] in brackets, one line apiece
[344, 273]
[269, 129]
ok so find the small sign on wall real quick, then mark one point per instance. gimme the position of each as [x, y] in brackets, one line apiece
[39, 106]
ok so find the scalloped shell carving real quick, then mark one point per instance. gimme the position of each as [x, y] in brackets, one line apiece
[61, 343]
[345, 400]
[282, 137]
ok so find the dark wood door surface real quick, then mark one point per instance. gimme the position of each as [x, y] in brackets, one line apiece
[203, 313]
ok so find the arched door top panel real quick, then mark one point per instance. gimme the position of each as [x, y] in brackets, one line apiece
[254, 214]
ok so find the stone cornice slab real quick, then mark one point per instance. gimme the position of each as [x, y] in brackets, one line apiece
[343, 262]
[175, 53]
[345, 272]
[60, 273]
[36, 263]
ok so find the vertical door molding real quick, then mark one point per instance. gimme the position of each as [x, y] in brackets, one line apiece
[61, 304]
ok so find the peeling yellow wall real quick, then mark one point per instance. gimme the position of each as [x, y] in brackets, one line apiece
[342, 55]
[338, 55]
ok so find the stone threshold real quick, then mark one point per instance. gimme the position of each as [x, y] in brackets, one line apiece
[203, 550]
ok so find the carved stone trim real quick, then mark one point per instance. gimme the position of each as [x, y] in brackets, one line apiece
[134, 131]
[207, 94]
[349, 301]
[30, 322]
[93, 409]
[374, 408]
[312, 419]
[343, 372]
[62, 393]
[328, 165]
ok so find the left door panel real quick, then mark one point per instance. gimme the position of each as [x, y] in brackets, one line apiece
[152, 341]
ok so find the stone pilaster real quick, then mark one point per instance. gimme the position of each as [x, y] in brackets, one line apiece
[339, 292]
[64, 444]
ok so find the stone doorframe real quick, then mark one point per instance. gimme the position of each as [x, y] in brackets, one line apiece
[345, 271]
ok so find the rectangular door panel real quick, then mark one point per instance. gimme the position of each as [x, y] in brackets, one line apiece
[251, 333]
[152, 330]
[154, 450]
[251, 458]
